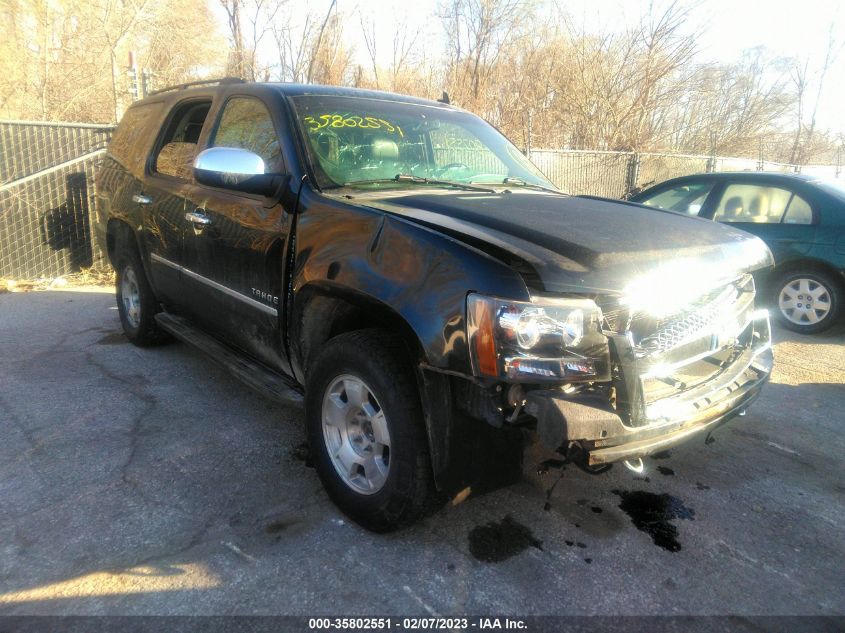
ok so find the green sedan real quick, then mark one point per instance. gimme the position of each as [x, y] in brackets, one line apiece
[801, 219]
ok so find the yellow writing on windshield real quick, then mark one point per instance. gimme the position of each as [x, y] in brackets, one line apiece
[351, 120]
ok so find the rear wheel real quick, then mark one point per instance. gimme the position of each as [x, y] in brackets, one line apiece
[808, 302]
[366, 430]
[136, 302]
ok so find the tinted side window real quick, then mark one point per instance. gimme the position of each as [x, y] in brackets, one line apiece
[798, 212]
[752, 203]
[687, 198]
[129, 144]
[178, 146]
[246, 124]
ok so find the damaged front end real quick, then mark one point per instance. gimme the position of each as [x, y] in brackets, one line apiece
[675, 372]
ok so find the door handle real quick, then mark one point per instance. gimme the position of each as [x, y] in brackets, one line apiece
[140, 198]
[198, 217]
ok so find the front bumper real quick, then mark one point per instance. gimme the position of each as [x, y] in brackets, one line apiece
[603, 435]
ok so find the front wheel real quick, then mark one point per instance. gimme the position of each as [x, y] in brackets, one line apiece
[807, 302]
[366, 430]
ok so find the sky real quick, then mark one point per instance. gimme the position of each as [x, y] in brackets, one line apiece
[723, 28]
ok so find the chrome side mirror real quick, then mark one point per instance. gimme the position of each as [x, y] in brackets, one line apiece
[236, 169]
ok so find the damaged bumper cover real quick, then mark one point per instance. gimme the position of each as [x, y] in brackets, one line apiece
[606, 438]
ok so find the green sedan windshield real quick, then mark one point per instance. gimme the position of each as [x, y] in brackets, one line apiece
[354, 141]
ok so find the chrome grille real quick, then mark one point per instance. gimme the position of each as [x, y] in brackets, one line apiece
[662, 359]
[700, 318]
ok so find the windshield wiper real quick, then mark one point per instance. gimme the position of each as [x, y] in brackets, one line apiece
[410, 178]
[519, 182]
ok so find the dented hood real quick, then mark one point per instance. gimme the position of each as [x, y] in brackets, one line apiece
[573, 243]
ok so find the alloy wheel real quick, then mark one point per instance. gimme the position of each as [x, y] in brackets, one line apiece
[804, 301]
[131, 295]
[356, 435]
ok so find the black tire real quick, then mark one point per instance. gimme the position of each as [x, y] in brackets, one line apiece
[827, 290]
[139, 326]
[380, 361]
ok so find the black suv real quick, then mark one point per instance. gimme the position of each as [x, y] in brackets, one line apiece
[402, 270]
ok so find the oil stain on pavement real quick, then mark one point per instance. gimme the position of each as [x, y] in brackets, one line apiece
[498, 541]
[653, 514]
[543, 469]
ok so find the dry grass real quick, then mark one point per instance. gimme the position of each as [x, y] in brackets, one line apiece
[86, 277]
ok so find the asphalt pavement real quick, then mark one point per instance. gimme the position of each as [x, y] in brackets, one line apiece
[149, 481]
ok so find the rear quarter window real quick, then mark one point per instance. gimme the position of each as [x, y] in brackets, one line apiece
[130, 142]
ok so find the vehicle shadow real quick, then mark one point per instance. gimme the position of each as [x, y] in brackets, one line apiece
[68, 226]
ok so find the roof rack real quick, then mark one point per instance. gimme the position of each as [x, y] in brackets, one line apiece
[203, 82]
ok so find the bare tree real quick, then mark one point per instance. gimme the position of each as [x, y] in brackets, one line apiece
[292, 46]
[404, 52]
[525, 65]
[249, 22]
[317, 47]
[368, 30]
[68, 60]
[311, 47]
[478, 32]
[805, 132]
[799, 79]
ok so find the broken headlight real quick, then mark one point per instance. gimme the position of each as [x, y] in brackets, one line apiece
[546, 339]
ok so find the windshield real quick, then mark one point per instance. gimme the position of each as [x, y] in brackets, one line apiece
[362, 142]
[834, 187]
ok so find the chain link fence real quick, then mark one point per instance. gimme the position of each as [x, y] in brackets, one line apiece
[654, 168]
[618, 174]
[47, 197]
[47, 187]
[584, 172]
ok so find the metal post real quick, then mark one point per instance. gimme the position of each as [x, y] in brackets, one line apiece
[633, 174]
[528, 140]
[146, 82]
[711, 161]
[134, 83]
